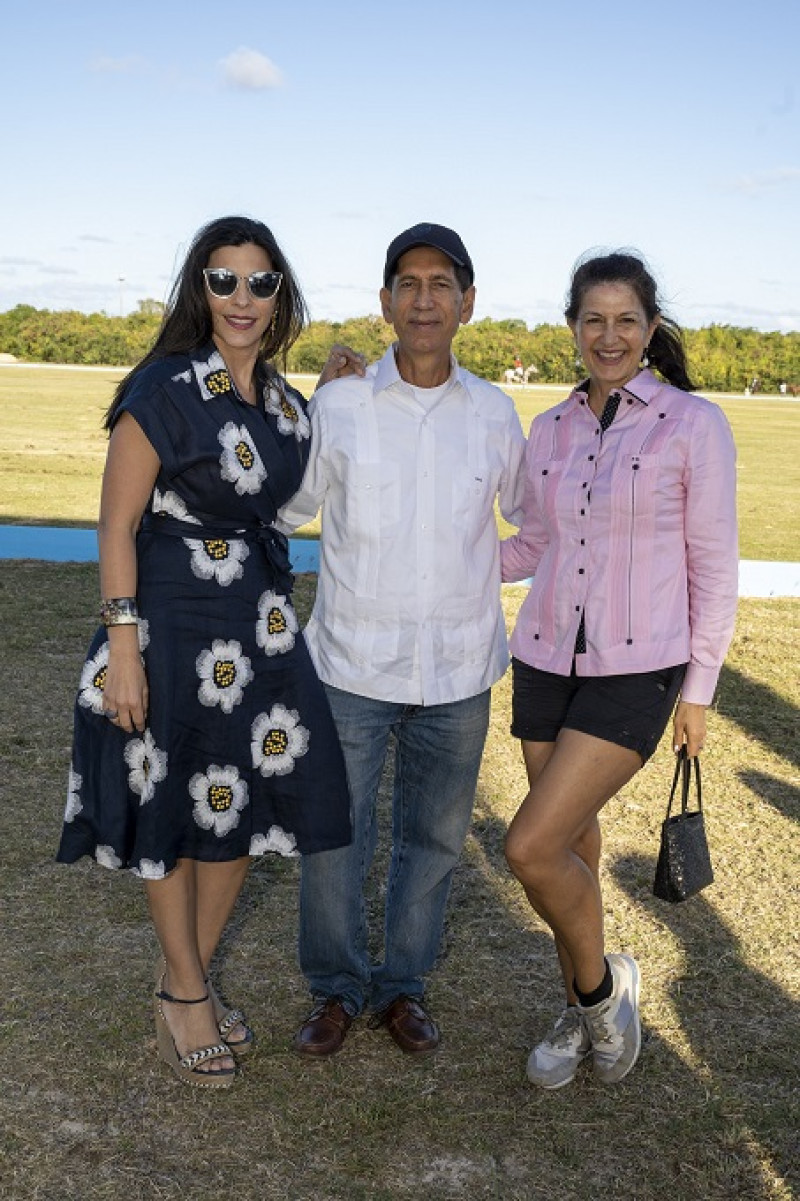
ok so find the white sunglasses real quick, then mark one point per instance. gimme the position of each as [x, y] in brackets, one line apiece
[222, 283]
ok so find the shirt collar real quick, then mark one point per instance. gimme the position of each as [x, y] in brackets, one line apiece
[642, 387]
[386, 373]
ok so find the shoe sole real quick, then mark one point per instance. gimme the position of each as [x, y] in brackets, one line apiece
[551, 1088]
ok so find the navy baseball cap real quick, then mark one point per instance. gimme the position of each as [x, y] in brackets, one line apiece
[425, 234]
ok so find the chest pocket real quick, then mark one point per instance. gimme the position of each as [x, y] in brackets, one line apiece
[472, 490]
[546, 480]
[375, 492]
[636, 481]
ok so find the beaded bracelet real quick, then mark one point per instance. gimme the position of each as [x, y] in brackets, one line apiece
[121, 611]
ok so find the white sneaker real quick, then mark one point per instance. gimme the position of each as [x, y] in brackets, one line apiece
[613, 1025]
[554, 1062]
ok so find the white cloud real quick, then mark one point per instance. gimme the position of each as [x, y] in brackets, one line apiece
[250, 70]
[760, 181]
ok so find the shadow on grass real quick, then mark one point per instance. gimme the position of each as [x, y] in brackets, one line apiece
[782, 796]
[742, 1027]
[762, 713]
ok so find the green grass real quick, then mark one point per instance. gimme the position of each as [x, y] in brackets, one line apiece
[87, 1113]
[52, 451]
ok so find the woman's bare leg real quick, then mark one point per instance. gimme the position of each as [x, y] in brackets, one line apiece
[217, 893]
[218, 888]
[553, 844]
[175, 903]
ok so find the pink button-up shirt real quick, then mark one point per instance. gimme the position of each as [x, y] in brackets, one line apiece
[636, 528]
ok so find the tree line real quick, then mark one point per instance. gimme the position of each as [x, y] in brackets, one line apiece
[722, 358]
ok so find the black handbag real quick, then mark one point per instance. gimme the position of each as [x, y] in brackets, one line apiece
[684, 864]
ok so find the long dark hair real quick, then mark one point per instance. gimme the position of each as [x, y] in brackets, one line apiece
[187, 317]
[666, 351]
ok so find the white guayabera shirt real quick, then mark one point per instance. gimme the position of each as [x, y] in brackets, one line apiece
[408, 601]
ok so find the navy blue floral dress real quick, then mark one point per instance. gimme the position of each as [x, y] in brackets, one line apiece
[240, 755]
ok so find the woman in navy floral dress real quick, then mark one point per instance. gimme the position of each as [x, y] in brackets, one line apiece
[202, 734]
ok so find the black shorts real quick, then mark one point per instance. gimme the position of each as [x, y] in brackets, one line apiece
[629, 710]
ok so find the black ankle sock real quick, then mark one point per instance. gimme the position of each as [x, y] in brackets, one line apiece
[601, 993]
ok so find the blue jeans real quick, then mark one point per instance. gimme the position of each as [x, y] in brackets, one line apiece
[438, 751]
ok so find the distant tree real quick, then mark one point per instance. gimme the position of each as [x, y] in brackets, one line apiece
[151, 308]
[721, 357]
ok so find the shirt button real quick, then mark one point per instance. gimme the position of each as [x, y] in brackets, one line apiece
[584, 485]
[581, 571]
[630, 402]
[536, 636]
[545, 471]
[636, 467]
[591, 458]
[577, 608]
[583, 512]
[558, 418]
[583, 541]
[662, 415]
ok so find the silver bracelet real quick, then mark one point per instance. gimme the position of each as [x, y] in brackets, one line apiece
[120, 611]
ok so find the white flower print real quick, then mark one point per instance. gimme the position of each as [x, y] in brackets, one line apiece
[93, 675]
[218, 558]
[106, 857]
[148, 869]
[277, 623]
[93, 681]
[277, 739]
[240, 462]
[291, 418]
[212, 376]
[169, 504]
[148, 766]
[74, 805]
[275, 839]
[224, 673]
[219, 796]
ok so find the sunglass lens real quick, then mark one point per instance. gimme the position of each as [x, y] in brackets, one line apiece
[221, 283]
[264, 284]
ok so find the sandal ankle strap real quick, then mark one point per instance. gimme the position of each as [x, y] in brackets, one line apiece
[163, 995]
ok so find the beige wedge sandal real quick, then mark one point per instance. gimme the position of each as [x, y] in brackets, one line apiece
[188, 1068]
[230, 1019]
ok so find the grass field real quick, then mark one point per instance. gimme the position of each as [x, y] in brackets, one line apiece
[710, 1113]
[52, 451]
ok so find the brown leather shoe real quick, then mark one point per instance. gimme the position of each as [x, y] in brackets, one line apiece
[324, 1030]
[414, 1031]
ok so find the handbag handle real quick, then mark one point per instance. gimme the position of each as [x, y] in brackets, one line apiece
[683, 771]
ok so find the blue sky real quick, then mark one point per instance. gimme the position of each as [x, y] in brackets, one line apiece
[535, 130]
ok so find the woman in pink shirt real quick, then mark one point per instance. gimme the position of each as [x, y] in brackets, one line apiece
[629, 534]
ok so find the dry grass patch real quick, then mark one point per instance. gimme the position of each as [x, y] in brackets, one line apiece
[87, 1112]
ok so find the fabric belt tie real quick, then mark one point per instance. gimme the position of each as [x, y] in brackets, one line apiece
[273, 543]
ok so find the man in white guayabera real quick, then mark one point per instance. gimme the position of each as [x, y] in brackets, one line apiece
[407, 632]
